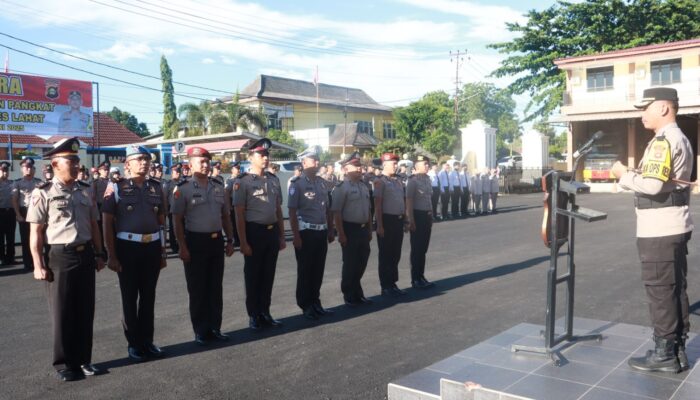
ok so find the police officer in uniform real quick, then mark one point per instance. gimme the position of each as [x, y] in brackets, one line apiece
[65, 209]
[445, 190]
[312, 226]
[420, 219]
[133, 218]
[169, 187]
[435, 186]
[47, 170]
[664, 227]
[8, 220]
[200, 211]
[216, 172]
[235, 172]
[257, 198]
[456, 194]
[390, 209]
[353, 221]
[21, 194]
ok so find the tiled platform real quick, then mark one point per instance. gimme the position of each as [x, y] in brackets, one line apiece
[589, 371]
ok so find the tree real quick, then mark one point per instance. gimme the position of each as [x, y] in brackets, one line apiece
[396, 146]
[170, 121]
[568, 29]
[434, 111]
[129, 121]
[285, 137]
[193, 117]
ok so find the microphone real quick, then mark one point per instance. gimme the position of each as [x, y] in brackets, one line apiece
[596, 136]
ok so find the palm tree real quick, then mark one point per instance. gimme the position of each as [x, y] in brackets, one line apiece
[193, 117]
[217, 117]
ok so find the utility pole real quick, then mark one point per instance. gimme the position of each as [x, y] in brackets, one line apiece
[458, 59]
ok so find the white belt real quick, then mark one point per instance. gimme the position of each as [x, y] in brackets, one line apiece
[314, 227]
[139, 237]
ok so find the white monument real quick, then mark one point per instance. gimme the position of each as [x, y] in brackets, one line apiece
[478, 145]
[535, 149]
[313, 137]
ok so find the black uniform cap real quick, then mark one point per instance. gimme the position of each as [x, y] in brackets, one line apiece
[262, 146]
[27, 160]
[65, 148]
[660, 93]
[353, 159]
[4, 165]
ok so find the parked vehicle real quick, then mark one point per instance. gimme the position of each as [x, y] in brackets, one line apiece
[598, 168]
[515, 161]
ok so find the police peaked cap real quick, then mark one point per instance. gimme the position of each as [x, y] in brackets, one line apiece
[27, 160]
[137, 151]
[65, 148]
[262, 146]
[311, 152]
[352, 159]
[4, 165]
[422, 158]
[660, 93]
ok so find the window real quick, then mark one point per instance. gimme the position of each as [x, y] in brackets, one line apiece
[365, 127]
[600, 79]
[665, 72]
[389, 132]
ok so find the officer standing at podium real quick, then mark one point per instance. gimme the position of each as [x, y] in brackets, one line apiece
[199, 212]
[664, 227]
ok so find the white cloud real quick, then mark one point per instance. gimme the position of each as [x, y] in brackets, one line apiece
[208, 60]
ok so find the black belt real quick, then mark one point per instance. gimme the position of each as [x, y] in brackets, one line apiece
[677, 198]
[76, 247]
[262, 226]
[209, 235]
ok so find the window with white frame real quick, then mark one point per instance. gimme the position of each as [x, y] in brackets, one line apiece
[665, 72]
[389, 131]
[600, 79]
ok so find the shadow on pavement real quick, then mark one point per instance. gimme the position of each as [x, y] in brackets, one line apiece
[341, 313]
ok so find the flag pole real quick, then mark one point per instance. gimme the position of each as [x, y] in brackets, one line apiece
[316, 84]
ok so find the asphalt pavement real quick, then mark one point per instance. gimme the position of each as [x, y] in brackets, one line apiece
[490, 274]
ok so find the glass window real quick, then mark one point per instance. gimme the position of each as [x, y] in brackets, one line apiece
[665, 72]
[365, 127]
[600, 79]
[389, 132]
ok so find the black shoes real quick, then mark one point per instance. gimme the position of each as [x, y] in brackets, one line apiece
[201, 339]
[310, 313]
[422, 283]
[254, 323]
[90, 370]
[322, 311]
[216, 333]
[69, 375]
[154, 351]
[136, 354]
[353, 303]
[393, 291]
[268, 320]
[365, 300]
[682, 355]
[661, 359]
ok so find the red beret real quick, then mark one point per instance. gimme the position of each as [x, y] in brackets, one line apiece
[198, 152]
[390, 157]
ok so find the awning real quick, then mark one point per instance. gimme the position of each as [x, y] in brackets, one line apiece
[632, 114]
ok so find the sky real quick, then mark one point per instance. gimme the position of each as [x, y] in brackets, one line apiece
[395, 50]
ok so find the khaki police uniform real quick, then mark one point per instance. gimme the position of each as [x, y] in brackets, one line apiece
[485, 192]
[419, 190]
[203, 207]
[309, 198]
[352, 201]
[22, 192]
[138, 212]
[390, 192]
[260, 195]
[67, 211]
[8, 223]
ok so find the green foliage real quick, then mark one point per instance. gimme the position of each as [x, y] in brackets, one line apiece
[170, 121]
[439, 142]
[129, 121]
[557, 145]
[573, 29]
[428, 122]
[285, 137]
[193, 116]
[396, 146]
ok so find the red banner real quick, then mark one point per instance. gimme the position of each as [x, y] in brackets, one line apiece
[34, 105]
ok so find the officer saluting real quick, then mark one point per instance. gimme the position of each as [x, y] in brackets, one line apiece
[8, 221]
[257, 198]
[200, 211]
[353, 220]
[420, 217]
[21, 194]
[312, 226]
[133, 216]
[389, 207]
[664, 227]
[65, 208]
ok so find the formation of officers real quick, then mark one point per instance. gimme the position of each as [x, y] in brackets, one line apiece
[68, 219]
[461, 193]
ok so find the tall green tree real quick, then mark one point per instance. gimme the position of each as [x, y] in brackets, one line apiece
[592, 26]
[129, 121]
[285, 137]
[429, 122]
[170, 121]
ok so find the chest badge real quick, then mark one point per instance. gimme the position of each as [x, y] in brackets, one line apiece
[129, 208]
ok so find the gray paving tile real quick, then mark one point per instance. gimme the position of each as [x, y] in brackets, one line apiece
[504, 339]
[694, 375]
[687, 391]
[479, 351]
[640, 384]
[544, 388]
[586, 324]
[574, 371]
[424, 380]
[607, 394]
[487, 376]
[525, 329]
[636, 331]
[595, 355]
[615, 342]
[451, 364]
[519, 361]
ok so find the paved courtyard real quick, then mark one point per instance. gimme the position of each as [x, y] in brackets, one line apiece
[490, 275]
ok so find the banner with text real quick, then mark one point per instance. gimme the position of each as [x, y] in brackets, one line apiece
[34, 105]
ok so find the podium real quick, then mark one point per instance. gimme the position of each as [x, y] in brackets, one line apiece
[561, 221]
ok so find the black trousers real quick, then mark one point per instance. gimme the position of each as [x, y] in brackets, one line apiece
[355, 256]
[444, 202]
[205, 274]
[435, 198]
[8, 225]
[236, 239]
[27, 259]
[465, 201]
[71, 298]
[259, 269]
[456, 198]
[311, 262]
[664, 272]
[138, 279]
[420, 240]
[390, 250]
[172, 240]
